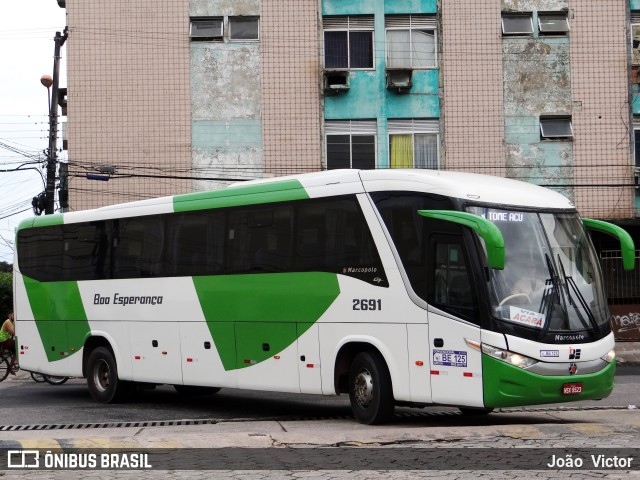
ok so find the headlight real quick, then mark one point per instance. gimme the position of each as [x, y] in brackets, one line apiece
[610, 356]
[514, 359]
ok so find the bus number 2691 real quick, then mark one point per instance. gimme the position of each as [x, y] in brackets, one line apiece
[367, 304]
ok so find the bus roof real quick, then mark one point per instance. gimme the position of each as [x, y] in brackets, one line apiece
[466, 186]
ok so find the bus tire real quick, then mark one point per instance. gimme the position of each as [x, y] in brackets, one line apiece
[102, 377]
[370, 389]
[194, 390]
[54, 379]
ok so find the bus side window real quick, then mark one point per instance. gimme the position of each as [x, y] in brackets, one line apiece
[139, 247]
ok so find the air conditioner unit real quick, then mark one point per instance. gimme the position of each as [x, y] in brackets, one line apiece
[399, 79]
[336, 81]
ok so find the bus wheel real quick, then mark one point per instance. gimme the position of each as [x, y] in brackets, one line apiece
[55, 380]
[195, 390]
[102, 377]
[475, 411]
[370, 390]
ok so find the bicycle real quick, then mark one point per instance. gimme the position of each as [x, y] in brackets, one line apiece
[50, 379]
[6, 369]
[5, 364]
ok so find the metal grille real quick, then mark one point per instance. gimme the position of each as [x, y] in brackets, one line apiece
[622, 286]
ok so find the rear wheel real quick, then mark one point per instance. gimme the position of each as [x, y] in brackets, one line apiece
[370, 389]
[102, 377]
[54, 380]
[37, 377]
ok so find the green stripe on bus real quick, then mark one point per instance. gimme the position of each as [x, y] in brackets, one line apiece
[510, 386]
[59, 315]
[254, 317]
[242, 195]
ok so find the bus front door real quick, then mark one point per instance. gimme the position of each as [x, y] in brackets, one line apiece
[455, 366]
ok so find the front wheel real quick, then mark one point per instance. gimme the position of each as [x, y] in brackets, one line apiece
[370, 389]
[54, 380]
[37, 377]
[102, 377]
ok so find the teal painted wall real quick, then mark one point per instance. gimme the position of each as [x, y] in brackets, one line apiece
[635, 4]
[368, 97]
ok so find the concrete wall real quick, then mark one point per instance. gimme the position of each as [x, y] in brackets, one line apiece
[368, 97]
[599, 88]
[128, 99]
[473, 110]
[226, 101]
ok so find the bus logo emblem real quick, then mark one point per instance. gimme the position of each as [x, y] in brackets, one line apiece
[573, 368]
[574, 353]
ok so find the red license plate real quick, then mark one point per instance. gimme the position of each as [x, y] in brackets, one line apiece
[572, 388]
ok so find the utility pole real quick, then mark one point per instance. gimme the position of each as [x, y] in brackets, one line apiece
[52, 157]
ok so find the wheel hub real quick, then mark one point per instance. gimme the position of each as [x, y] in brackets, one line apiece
[363, 388]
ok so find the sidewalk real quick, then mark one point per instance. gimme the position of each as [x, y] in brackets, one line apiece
[628, 353]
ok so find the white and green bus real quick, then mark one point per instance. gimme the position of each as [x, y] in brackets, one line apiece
[408, 287]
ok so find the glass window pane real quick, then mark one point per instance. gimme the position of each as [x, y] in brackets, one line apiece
[364, 151]
[556, 127]
[206, 28]
[361, 49]
[517, 24]
[636, 134]
[426, 150]
[553, 23]
[335, 50]
[398, 49]
[338, 152]
[243, 28]
[423, 48]
[401, 151]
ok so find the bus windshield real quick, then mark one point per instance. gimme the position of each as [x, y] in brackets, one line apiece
[551, 281]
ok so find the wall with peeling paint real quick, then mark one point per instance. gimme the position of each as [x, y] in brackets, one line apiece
[537, 82]
[226, 103]
[368, 97]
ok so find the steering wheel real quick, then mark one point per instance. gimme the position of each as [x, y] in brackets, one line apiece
[514, 295]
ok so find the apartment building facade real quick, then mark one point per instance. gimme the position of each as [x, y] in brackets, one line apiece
[171, 97]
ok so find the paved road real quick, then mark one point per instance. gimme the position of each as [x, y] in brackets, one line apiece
[417, 444]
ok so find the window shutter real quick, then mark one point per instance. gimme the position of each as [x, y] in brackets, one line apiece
[410, 21]
[413, 125]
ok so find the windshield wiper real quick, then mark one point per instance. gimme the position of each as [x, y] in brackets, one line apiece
[570, 282]
[550, 293]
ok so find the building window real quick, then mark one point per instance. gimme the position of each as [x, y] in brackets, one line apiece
[635, 40]
[413, 144]
[411, 41]
[351, 144]
[636, 144]
[348, 42]
[553, 23]
[556, 127]
[517, 24]
[244, 28]
[206, 28]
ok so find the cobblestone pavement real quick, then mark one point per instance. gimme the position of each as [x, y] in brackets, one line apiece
[502, 436]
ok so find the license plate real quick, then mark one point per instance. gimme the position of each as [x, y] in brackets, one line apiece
[571, 388]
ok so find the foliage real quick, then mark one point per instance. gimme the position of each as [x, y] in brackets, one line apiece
[6, 294]
[5, 267]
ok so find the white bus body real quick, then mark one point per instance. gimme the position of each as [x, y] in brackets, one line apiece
[356, 282]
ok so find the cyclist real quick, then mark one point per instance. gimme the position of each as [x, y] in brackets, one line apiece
[6, 339]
